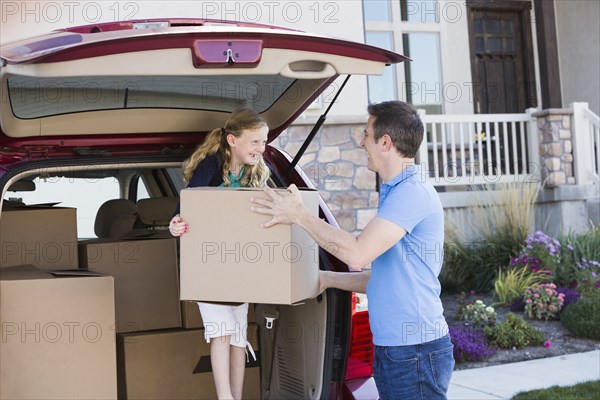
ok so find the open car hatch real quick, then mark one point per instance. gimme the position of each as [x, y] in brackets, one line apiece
[167, 77]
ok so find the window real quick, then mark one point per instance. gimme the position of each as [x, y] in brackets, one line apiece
[413, 28]
[84, 194]
[376, 10]
[142, 190]
[422, 75]
[33, 97]
[419, 10]
[382, 88]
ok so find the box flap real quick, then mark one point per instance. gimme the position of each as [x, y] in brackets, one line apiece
[75, 272]
[22, 272]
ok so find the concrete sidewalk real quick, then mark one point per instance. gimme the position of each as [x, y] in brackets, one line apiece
[506, 380]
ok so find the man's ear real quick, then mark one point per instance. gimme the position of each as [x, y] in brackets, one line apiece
[387, 142]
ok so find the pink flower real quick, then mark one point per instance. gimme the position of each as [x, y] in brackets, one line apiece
[547, 344]
[528, 301]
[549, 292]
[536, 295]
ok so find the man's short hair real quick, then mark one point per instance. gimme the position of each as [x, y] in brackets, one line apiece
[401, 122]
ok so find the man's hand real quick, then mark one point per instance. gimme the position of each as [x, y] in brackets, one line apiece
[285, 209]
[177, 227]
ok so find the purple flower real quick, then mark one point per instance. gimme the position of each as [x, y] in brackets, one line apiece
[517, 305]
[570, 296]
[469, 344]
[539, 237]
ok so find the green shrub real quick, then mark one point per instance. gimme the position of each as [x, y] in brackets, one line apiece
[513, 332]
[478, 314]
[474, 265]
[580, 261]
[500, 221]
[583, 318]
[454, 277]
[511, 284]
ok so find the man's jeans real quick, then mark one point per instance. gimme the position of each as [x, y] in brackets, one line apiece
[421, 371]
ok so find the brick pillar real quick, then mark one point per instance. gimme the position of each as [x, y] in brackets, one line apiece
[556, 147]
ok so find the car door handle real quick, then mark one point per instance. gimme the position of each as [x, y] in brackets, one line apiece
[326, 72]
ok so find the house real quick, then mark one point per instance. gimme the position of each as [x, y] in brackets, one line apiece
[510, 92]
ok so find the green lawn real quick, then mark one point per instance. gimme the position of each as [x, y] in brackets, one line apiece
[582, 391]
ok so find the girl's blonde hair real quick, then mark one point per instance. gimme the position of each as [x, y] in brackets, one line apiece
[216, 141]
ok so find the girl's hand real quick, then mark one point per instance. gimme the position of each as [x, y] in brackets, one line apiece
[177, 227]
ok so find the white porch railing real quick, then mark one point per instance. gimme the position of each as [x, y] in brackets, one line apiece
[586, 144]
[480, 148]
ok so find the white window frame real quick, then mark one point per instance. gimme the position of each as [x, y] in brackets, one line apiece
[397, 28]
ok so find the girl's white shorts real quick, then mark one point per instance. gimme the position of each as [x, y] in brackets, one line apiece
[224, 320]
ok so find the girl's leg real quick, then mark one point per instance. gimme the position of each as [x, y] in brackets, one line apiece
[219, 359]
[237, 363]
[237, 366]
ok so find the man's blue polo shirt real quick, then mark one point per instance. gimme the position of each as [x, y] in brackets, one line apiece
[404, 290]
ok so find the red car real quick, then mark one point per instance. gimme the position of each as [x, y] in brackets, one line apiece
[122, 104]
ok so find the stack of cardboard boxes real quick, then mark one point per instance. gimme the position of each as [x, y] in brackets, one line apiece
[97, 318]
[57, 330]
[57, 336]
[110, 320]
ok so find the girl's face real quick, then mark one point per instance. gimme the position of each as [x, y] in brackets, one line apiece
[248, 147]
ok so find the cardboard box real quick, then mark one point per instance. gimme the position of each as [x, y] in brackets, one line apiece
[192, 319]
[174, 365]
[146, 284]
[45, 237]
[58, 337]
[227, 256]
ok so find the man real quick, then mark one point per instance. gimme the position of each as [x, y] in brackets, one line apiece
[404, 242]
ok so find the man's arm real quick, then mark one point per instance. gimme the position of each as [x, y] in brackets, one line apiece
[356, 251]
[349, 281]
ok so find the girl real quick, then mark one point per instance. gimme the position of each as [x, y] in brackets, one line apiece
[230, 156]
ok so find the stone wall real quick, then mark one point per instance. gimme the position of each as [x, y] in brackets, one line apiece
[556, 147]
[337, 165]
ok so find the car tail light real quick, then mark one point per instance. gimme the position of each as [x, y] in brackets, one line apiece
[360, 358]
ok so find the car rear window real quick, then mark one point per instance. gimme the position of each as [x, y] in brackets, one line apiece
[35, 97]
[84, 194]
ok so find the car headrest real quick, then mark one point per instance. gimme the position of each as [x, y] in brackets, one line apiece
[115, 218]
[157, 211]
[22, 186]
